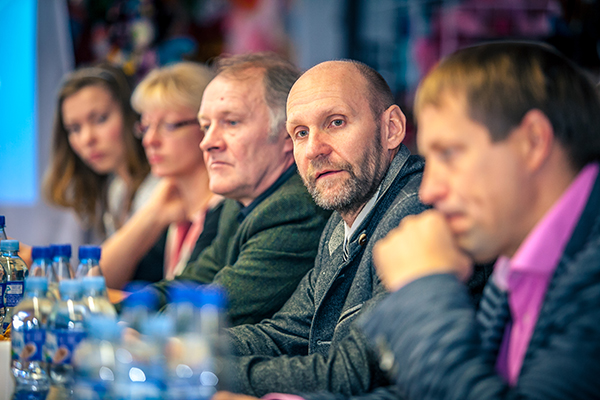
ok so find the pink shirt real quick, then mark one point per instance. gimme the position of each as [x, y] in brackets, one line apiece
[281, 396]
[526, 276]
[182, 238]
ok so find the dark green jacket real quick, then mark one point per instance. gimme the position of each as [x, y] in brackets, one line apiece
[261, 260]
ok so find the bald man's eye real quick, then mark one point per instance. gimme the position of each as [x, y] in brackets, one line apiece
[301, 134]
[337, 123]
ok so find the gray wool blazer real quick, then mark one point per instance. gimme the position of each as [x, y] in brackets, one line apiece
[310, 344]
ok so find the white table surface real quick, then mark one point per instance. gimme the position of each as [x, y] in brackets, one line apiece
[6, 379]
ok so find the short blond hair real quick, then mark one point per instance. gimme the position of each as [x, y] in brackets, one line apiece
[178, 85]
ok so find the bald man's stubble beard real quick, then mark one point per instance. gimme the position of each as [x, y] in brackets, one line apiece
[357, 189]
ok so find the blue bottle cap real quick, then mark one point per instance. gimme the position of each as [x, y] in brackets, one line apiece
[93, 283]
[9, 245]
[184, 292]
[40, 252]
[135, 286]
[214, 295]
[2, 221]
[140, 296]
[61, 250]
[88, 251]
[35, 283]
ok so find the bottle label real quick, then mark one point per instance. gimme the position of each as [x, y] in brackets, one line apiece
[2, 287]
[13, 293]
[61, 344]
[90, 388]
[27, 345]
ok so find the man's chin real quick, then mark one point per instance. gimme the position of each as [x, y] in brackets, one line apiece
[474, 252]
[222, 189]
[325, 203]
[480, 258]
[327, 199]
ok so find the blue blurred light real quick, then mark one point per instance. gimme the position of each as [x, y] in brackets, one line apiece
[18, 107]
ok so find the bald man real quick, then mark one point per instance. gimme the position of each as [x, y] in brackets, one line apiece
[347, 135]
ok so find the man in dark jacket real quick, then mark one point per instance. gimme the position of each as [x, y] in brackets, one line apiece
[269, 227]
[511, 136]
[347, 135]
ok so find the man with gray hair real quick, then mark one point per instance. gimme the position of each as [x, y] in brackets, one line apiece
[269, 227]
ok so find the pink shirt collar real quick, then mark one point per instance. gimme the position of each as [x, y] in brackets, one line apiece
[526, 276]
[543, 247]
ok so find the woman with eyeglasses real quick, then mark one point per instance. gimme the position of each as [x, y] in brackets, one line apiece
[98, 167]
[168, 100]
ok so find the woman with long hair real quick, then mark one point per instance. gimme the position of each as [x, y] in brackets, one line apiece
[98, 167]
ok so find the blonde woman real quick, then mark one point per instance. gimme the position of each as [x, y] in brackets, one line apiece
[168, 100]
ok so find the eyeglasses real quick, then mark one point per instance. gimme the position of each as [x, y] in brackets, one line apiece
[166, 128]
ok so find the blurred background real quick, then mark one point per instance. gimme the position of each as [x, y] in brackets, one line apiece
[40, 40]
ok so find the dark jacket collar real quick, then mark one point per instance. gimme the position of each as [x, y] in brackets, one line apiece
[244, 211]
[588, 222]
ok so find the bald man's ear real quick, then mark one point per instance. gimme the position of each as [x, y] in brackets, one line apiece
[393, 127]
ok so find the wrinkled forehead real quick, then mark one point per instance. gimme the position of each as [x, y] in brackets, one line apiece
[338, 75]
[245, 79]
[328, 86]
[228, 92]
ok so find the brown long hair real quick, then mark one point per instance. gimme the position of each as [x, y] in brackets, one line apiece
[69, 182]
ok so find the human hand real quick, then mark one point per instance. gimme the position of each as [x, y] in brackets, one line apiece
[167, 202]
[25, 253]
[421, 245]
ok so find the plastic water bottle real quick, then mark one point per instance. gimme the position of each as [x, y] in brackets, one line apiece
[94, 359]
[2, 272]
[3, 276]
[28, 337]
[197, 353]
[42, 261]
[141, 362]
[61, 267]
[89, 257]
[66, 329]
[16, 272]
[181, 308]
[214, 374]
[95, 298]
[3, 228]
[186, 346]
[138, 307]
